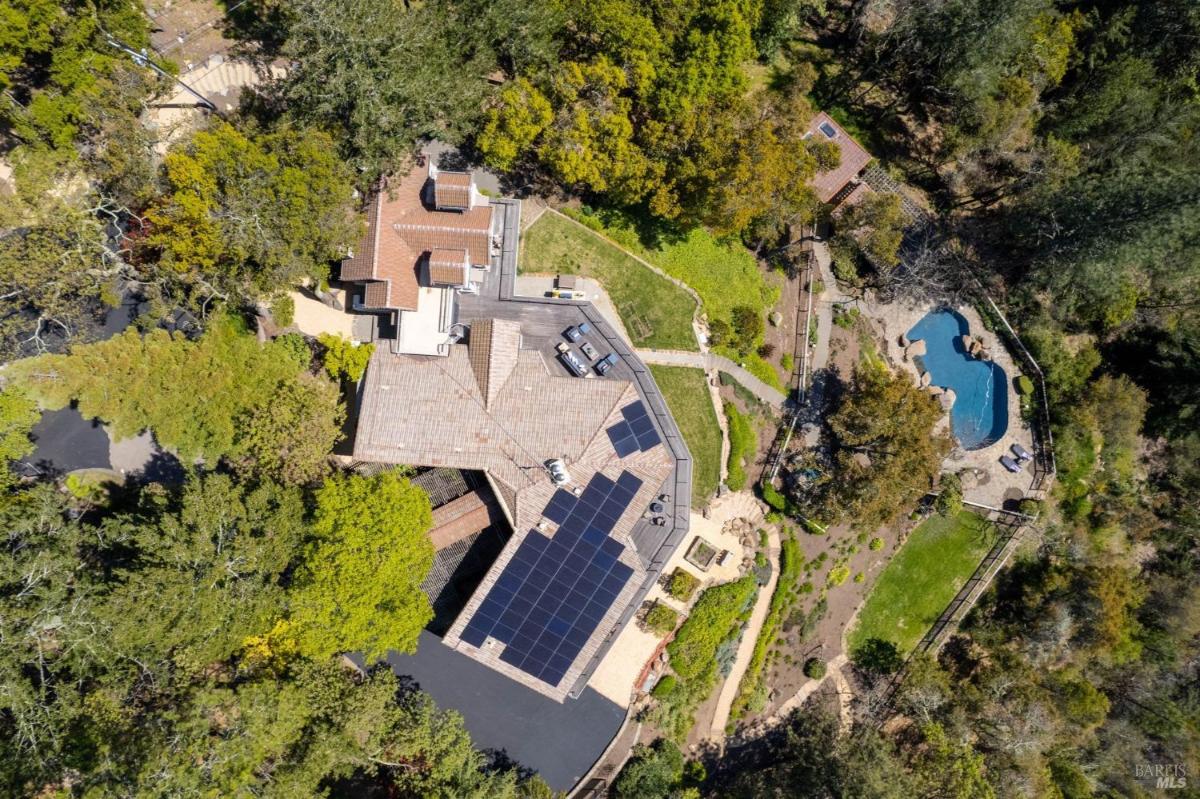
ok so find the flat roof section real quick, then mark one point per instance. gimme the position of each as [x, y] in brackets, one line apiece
[561, 741]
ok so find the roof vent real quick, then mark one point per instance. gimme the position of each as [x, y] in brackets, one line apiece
[558, 471]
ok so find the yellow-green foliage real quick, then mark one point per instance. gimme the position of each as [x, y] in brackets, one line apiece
[661, 619]
[343, 358]
[714, 618]
[364, 527]
[224, 395]
[682, 584]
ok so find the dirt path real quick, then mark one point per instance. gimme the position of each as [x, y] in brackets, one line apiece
[758, 615]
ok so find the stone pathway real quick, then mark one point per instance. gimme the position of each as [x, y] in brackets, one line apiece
[707, 360]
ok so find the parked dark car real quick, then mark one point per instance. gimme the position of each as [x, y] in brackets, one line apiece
[1010, 464]
[604, 364]
[573, 333]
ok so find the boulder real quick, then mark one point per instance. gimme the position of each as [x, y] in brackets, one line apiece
[915, 348]
[926, 379]
[976, 348]
[903, 340]
[947, 401]
[935, 391]
[967, 341]
[948, 397]
[985, 355]
[776, 318]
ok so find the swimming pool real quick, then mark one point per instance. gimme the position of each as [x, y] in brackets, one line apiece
[979, 416]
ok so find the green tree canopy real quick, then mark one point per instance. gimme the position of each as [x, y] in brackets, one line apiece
[885, 452]
[364, 526]
[222, 396]
[251, 213]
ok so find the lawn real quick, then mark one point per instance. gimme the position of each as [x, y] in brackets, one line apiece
[656, 312]
[687, 396]
[723, 273]
[922, 578]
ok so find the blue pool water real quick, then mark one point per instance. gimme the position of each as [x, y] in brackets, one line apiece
[979, 416]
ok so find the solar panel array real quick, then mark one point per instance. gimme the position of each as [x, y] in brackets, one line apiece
[635, 432]
[555, 591]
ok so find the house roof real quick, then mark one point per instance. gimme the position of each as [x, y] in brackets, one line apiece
[853, 157]
[375, 294]
[401, 228]
[452, 190]
[494, 407]
[448, 267]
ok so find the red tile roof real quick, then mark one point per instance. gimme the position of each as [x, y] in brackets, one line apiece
[401, 228]
[452, 190]
[853, 157]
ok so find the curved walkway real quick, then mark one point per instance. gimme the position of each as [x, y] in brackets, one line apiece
[729, 689]
[708, 360]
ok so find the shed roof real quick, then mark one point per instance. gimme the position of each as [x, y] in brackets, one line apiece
[853, 157]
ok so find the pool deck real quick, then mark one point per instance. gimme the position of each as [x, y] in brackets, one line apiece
[993, 484]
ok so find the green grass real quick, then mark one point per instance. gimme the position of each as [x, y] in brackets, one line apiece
[723, 272]
[657, 313]
[686, 393]
[919, 582]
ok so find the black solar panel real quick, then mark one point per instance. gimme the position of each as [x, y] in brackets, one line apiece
[555, 591]
[636, 431]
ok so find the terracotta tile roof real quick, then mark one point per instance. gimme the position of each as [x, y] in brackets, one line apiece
[462, 517]
[401, 228]
[452, 190]
[375, 294]
[448, 267]
[853, 157]
[361, 265]
[492, 351]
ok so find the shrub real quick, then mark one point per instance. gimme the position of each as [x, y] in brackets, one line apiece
[682, 584]
[345, 358]
[747, 327]
[858, 578]
[294, 347]
[876, 544]
[1024, 385]
[664, 687]
[719, 332]
[660, 619]
[714, 619]
[786, 362]
[1031, 507]
[742, 445]
[766, 350]
[838, 575]
[283, 309]
[773, 498]
[950, 499]
[652, 771]
[814, 668]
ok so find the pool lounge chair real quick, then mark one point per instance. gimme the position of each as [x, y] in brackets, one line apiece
[1021, 453]
[1010, 464]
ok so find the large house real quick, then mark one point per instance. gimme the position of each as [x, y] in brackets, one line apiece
[428, 235]
[589, 473]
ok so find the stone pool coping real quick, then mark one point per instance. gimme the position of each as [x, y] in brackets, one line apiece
[996, 483]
